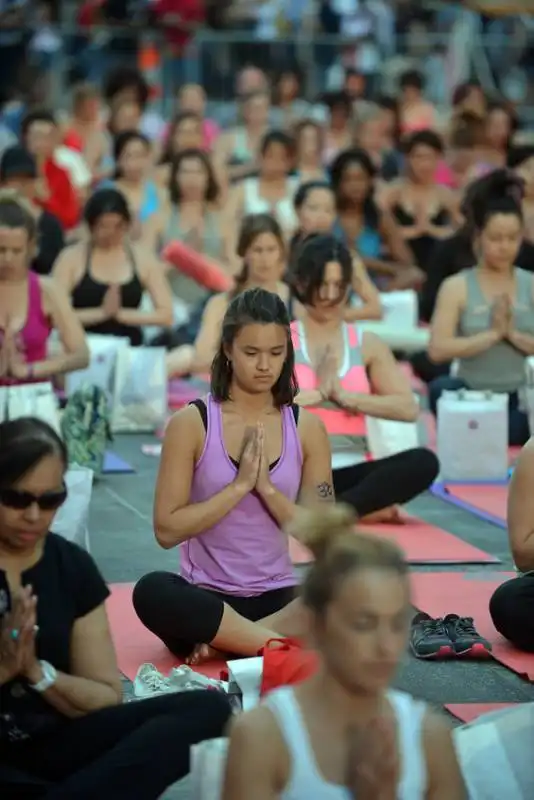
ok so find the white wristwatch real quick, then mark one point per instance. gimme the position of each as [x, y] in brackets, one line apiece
[48, 679]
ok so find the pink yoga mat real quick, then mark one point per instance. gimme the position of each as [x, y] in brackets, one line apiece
[421, 542]
[468, 712]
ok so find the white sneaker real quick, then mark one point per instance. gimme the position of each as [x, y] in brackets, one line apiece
[185, 679]
[149, 682]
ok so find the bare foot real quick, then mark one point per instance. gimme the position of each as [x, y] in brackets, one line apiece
[388, 516]
[203, 653]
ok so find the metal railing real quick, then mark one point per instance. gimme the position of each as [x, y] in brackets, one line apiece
[445, 58]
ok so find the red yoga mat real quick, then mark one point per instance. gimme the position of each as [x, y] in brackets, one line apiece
[421, 542]
[490, 499]
[468, 594]
[468, 712]
[135, 645]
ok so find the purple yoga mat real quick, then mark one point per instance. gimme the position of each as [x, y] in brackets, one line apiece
[441, 491]
[115, 465]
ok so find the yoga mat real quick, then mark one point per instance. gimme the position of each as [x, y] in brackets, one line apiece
[487, 501]
[135, 645]
[468, 712]
[115, 465]
[468, 594]
[421, 542]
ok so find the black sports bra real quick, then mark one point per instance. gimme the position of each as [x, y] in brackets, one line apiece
[200, 405]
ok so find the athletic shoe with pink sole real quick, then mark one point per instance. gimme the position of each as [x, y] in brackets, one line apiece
[429, 638]
[466, 640]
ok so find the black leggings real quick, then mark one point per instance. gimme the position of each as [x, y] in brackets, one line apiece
[135, 750]
[374, 485]
[512, 611]
[183, 615]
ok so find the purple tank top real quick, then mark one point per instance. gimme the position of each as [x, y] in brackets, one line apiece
[246, 553]
[32, 339]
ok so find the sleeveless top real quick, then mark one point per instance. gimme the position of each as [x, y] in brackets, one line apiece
[89, 293]
[305, 780]
[501, 368]
[368, 244]
[421, 246]
[283, 210]
[32, 339]
[246, 553]
[241, 152]
[346, 431]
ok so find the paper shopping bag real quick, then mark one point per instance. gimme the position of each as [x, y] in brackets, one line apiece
[101, 370]
[31, 400]
[72, 519]
[472, 436]
[139, 402]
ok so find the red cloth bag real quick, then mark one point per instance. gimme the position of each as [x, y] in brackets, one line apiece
[286, 662]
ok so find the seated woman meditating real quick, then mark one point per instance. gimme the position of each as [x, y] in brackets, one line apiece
[344, 732]
[232, 469]
[106, 276]
[512, 604]
[315, 207]
[262, 250]
[63, 731]
[31, 306]
[345, 376]
[484, 317]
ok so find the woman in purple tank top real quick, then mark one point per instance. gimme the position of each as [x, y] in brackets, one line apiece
[232, 469]
[31, 306]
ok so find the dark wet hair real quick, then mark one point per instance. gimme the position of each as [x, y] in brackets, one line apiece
[308, 265]
[412, 79]
[337, 170]
[182, 116]
[500, 192]
[15, 213]
[17, 162]
[121, 142]
[106, 201]
[39, 115]
[305, 189]
[278, 137]
[123, 78]
[339, 550]
[425, 138]
[254, 225]
[24, 442]
[212, 189]
[255, 306]
[516, 156]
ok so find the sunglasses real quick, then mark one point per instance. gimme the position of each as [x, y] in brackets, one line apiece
[49, 501]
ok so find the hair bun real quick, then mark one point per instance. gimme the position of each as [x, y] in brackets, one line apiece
[318, 528]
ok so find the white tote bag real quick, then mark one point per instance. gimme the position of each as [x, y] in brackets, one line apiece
[139, 402]
[208, 764]
[30, 400]
[72, 519]
[387, 437]
[473, 436]
[101, 370]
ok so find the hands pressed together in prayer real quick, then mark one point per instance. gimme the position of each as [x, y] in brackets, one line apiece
[12, 361]
[254, 465]
[17, 639]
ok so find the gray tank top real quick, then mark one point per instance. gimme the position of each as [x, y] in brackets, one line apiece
[183, 287]
[502, 367]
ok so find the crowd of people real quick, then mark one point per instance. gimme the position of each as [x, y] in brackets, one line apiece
[314, 212]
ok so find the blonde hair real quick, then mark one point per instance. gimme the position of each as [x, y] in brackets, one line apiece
[328, 531]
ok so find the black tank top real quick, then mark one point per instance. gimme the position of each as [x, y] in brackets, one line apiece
[89, 293]
[422, 246]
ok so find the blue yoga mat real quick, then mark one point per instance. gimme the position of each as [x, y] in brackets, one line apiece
[115, 465]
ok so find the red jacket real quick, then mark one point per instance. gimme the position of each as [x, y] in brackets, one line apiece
[191, 13]
[62, 201]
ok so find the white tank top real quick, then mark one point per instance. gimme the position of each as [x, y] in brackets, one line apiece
[283, 210]
[306, 782]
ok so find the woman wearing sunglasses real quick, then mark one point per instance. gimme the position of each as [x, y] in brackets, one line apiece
[63, 730]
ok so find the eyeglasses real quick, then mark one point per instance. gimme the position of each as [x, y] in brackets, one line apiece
[49, 501]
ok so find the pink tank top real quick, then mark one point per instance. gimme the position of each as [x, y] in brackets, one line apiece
[32, 339]
[353, 378]
[246, 553]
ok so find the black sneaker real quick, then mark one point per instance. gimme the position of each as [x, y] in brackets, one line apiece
[465, 638]
[429, 638]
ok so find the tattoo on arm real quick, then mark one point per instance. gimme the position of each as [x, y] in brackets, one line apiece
[325, 491]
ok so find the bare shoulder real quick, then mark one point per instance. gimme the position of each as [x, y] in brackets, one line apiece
[525, 462]
[373, 346]
[256, 734]
[185, 422]
[454, 287]
[444, 774]
[310, 424]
